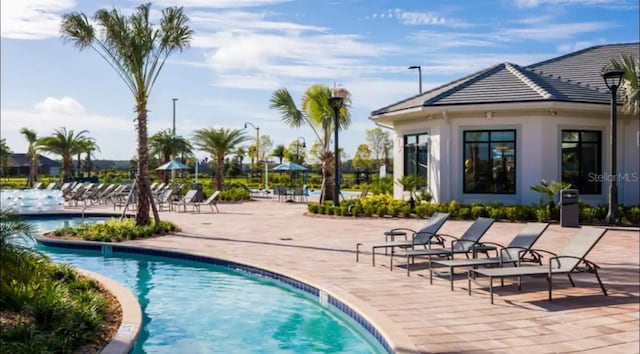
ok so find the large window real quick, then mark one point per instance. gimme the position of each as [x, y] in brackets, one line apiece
[490, 161]
[416, 153]
[582, 160]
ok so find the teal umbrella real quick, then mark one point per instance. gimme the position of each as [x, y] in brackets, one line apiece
[290, 166]
[173, 165]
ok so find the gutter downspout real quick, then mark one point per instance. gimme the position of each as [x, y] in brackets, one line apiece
[445, 115]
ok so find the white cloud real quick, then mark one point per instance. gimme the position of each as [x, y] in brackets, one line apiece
[219, 4]
[32, 19]
[536, 3]
[63, 106]
[572, 47]
[551, 31]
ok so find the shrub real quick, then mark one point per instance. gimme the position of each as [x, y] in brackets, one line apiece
[115, 230]
[543, 214]
[632, 215]
[313, 207]
[588, 215]
[422, 210]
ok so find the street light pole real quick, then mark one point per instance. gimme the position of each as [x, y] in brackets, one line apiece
[257, 143]
[613, 79]
[336, 103]
[419, 76]
[173, 135]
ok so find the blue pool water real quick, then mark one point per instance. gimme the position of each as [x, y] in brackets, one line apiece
[190, 307]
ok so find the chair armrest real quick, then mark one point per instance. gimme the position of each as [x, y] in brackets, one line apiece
[590, 265]
[492, 243]
[450, 236]
[402, 229]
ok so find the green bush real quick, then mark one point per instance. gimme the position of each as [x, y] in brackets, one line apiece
[588, 215]
[115, 230]
[313, 207]
[543, 214]
[632, 215]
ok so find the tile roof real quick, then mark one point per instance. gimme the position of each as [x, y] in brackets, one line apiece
[574, 77]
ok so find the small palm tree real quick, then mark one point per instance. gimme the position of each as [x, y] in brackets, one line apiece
[88, 146]
[279, 152]
[550, 189]
[219, 143]
[317, 113]
[64, 144]
[32, 152]
[137, 51]
[5, 154]
[165, 145]
[630, 86]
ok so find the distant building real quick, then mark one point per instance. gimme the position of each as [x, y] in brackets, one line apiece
[19, 165]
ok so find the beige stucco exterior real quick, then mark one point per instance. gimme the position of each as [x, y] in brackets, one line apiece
[538, 146]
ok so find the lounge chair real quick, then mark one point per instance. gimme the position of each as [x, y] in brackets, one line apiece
[211, 202]
[427, 235]
[164, 199]
[37, 185]
[570, 260]
[515, 251]
[186, 200]
[467, 243]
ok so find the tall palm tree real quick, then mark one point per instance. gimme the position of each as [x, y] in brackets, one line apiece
[32, 152]
[279, 152]
[317, 113]
[137, 51]
[630, 86]
[218, 143]
[64, 144]
[88, 146]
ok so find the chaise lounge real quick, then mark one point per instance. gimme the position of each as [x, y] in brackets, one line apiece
[516, 251]
[426, 236]
[467, 243]
[570, 260]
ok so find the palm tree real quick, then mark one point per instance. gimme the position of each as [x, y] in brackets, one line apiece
[279, 152]
[88, 146]
[317, 113]
[165, 145]
[64, 144]
[32, 152]
[5, 154]
[218, 143]
[630, 86]
[137, 51]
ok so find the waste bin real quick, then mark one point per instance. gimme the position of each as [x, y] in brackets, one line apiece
[569, 208]
[199, 197]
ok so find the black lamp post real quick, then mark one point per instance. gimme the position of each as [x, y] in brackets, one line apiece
[173, 136]
[336, 103]
[304, 145]
[419, 75]
[612, 79]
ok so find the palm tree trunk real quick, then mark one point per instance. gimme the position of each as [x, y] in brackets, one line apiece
[79, 169]
[219, 171]
[67, 167]
[144, 188]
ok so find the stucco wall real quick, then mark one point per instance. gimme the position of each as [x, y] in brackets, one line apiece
[538, 151]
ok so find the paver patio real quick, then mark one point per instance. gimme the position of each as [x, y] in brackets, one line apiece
[415, 316]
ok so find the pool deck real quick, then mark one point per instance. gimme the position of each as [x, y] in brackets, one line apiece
[415, 316]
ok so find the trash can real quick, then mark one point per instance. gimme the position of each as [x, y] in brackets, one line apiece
[569, 208]
[199, 197]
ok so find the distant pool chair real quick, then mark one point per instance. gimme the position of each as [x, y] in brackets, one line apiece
[212, 202]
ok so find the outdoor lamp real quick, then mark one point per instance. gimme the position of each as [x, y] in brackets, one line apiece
[612, 79]
[336, 102]
[419, 75]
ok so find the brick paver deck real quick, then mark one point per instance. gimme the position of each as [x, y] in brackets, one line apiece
[415, 316]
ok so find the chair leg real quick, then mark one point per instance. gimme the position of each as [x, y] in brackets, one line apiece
[408, 258]
[469, 282]
[491, 289]
[571, 280]
[430, 276]
[451, 277]
[358, 252]
[600, 282]
[550, 280]
[373, 257]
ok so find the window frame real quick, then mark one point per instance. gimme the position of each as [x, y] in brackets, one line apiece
[416, 146]
[489, 141]
[579, 143]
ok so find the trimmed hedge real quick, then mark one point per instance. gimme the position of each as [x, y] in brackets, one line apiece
[387, 206]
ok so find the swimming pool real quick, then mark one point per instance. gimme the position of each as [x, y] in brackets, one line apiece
[204, 308]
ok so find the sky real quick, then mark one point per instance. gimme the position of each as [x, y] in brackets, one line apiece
[244, 50]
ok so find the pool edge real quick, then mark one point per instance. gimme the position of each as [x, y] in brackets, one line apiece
[131, 324]
[388, 335]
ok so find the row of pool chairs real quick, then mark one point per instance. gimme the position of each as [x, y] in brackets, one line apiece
[515, 260]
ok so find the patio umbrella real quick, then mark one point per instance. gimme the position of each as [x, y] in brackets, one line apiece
[290, 166]
[173, 165]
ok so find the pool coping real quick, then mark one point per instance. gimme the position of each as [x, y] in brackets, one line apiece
[388, 335]
[131, 324]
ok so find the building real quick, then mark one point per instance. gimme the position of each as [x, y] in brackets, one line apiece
[490, 136]
[19, 165]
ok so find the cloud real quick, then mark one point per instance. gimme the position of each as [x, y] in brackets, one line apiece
[572, 47]
[551, 31]
[63, 106]
[220, 4]
[421, 18]
[32, 19]
[607, 3]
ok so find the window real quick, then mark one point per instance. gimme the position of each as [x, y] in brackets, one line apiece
[490, 161]
[582, 160]
[416, 153]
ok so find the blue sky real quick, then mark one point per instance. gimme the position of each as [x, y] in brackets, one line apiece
[243, 50]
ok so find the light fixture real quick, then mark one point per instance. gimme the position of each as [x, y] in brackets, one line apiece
[336, 102]
[612, 79]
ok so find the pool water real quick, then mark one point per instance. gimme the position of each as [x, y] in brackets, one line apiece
[191, 307]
